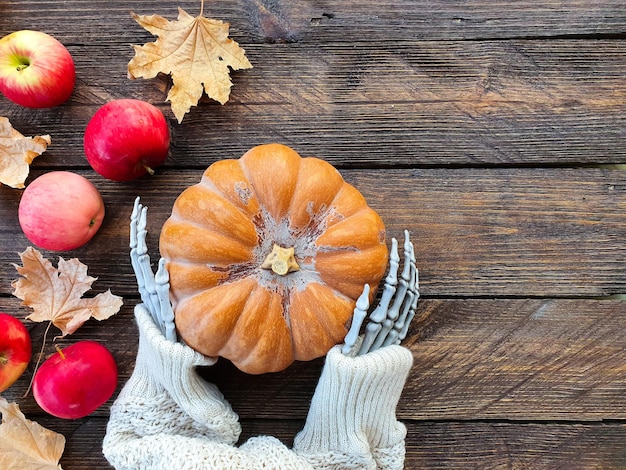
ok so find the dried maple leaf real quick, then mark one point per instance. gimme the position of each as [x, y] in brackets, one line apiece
[195, 51]
[55, 295]
[17, 153]
[25, 444]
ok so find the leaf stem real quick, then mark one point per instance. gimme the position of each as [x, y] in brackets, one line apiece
[39, 356]
[201, 7]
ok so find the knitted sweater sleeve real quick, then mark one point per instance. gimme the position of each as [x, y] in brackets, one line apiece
[156, 434]
[167, 417]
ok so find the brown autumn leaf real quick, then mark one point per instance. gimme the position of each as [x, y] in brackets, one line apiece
[17, 153]
[25, 444]
[195, 51]
[55, 295]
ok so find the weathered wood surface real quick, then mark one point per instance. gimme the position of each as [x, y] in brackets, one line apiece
[496, 232]
[524, 359]
[476, 125]
[367, 104]
[555, 367]
[324, 21]
[443, 445]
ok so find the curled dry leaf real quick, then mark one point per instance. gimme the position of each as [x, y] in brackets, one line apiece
[17, 153]
[55, 295]
[25, 444]
[195, 51]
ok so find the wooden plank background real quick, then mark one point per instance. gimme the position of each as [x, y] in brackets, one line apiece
[493, 130]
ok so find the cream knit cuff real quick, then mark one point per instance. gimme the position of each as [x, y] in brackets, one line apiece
[172, 365]
[353, 408]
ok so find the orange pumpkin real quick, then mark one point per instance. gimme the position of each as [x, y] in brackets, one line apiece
[267, 256]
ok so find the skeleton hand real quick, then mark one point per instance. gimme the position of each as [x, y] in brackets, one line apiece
[387, 324]
[154, 289]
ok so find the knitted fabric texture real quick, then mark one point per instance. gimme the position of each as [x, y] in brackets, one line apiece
[353, 408]
[172, 366]
[166, 417]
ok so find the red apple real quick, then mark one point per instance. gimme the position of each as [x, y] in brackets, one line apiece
[60, 210]
[75, 381]
[126, 139]
[15, 350]
[36, 70]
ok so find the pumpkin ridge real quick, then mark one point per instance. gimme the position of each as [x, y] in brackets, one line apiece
[213, 255]
[325, 320]
[192, 286]
[350, 280]
[366, 216]
[251, 295]
[316, 312]
[208, 316]
[246, 355]
[338, 218]
[302, 177]
[176, 218]
[242, 195]
[268, 195]
[197, 213]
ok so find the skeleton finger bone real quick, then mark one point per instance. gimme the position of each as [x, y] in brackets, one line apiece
[380, 312]
[154, 290]
[389, 322]
[360, 311]
[402, 325]
[138, 253]
[388, 333]
[162, 280]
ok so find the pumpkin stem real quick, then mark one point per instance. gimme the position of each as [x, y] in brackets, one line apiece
[281, 260]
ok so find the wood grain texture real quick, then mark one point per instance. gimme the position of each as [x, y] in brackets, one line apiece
[368, 90]
[496, 232]
[515, 446]
[526, 360]
[323, 21]
[430, 445]
[364, 104]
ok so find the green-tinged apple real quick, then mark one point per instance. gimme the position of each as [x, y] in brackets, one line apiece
[75, 381]
[60, 211]
[36, 70]
[126, 139]
[15, 350]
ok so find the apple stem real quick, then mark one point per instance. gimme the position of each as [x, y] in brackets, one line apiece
[148, 169]
[60, 351]
[40, 355]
